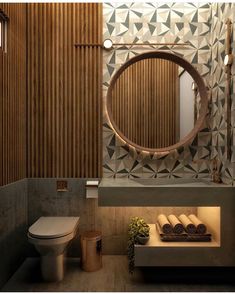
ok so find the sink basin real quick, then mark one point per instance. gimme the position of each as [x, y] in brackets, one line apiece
[170, 182]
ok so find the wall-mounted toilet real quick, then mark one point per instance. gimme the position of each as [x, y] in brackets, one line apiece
[50, 236]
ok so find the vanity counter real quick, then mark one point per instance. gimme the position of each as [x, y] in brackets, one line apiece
[162, 192]
[206, 196]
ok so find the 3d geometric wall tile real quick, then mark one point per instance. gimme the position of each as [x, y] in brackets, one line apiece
[201, 25]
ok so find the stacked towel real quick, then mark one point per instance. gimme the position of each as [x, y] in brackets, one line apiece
[182, 229]
[184, 237]
[199, 238]
[171, 237]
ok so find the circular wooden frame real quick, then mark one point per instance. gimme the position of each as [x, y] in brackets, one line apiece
[201, 88]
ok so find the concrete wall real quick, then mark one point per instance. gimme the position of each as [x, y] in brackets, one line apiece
[13, 227]
[44, 200]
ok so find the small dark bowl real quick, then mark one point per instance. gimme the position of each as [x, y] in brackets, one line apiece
[142, 240]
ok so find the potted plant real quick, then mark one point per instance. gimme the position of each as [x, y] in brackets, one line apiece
[143, 235]
[138, 233]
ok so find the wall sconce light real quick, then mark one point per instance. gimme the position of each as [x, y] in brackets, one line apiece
[194, 86]
[108, 44]
[228, 59]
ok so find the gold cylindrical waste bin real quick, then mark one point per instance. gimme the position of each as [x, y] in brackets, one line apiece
[91, 243]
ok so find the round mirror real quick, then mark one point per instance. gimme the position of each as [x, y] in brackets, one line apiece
[157, 101]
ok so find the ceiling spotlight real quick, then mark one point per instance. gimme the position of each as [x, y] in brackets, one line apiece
[108, 44]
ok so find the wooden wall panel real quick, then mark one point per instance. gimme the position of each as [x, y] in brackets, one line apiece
[13, 96]
[64, 90]
[145, 103]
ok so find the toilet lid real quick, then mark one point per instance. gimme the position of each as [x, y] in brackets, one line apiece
[53, 227]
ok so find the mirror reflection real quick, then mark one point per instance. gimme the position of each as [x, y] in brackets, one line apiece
[155, 103]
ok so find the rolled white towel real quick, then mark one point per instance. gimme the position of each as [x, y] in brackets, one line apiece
[165, 225]
[200, 227]
[178, 228]
[189, 227]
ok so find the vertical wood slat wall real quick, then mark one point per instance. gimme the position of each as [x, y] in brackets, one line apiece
[64, 90]
[145, 103]
[13, 96]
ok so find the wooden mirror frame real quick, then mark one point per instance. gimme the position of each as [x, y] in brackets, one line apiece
[201, 89]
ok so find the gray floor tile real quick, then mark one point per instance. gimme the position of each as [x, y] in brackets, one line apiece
[113, 277]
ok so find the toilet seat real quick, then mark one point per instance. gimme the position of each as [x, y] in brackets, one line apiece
[51, 241]
[53, 227]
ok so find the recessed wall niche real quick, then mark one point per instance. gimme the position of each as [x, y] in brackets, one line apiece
[159, 253]
[208, 215]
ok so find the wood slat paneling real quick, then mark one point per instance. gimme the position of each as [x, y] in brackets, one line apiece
[64, 90]
[145, 103]
[13, 96]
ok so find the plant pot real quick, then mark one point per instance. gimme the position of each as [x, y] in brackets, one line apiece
[142, 240]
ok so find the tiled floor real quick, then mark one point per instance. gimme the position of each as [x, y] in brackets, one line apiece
[114, 277]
